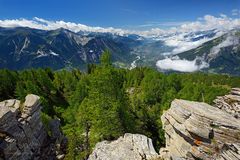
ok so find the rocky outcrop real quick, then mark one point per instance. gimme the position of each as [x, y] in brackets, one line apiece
[22, 134]
[195, 130]
[230, 103]
[127, 147]
[21, 131]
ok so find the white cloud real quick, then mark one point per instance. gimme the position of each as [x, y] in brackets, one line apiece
[177, 37]
[235, 12]
[182, 43]
[183, 65]
[207, 22]
[223, 15]
[181, 40]
[39, 23]
[181, 37]
[210, 22]
[231, 40]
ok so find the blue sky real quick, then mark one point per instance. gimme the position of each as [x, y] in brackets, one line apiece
[117, 13]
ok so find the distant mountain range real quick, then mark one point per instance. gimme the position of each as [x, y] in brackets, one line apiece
[23, 47]
[31, 48]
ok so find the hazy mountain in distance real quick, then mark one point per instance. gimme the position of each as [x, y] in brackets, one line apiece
[222, 54]
[31, 48]
[22, 48]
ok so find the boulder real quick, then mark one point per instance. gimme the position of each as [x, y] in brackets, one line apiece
[127, 147]
[31, 105]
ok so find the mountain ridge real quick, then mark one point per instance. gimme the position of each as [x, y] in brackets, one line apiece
[25, 48]
[222, 53]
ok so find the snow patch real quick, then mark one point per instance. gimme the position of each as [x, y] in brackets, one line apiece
[25, 45]
[53, 53]
[41, 53]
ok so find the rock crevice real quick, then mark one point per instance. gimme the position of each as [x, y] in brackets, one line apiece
[22, 133]
[21, 129]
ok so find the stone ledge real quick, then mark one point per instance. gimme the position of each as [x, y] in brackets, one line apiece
[195, 130]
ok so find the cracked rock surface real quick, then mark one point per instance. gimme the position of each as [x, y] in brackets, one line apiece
[21, 131]
[230, 103]
[127, 147]
[22, 134]
[195, 130]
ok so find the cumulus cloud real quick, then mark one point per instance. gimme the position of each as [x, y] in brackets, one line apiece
[207, 22]
[39, 23]
[181, 65]
[182, 41]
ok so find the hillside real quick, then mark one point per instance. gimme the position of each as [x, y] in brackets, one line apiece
[22, 48]
[222, 54]
[132, 100]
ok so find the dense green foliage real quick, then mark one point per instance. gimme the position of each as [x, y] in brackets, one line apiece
[107, 102]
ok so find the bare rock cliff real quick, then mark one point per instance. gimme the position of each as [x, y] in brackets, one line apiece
[195, 130]
[22, 134]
